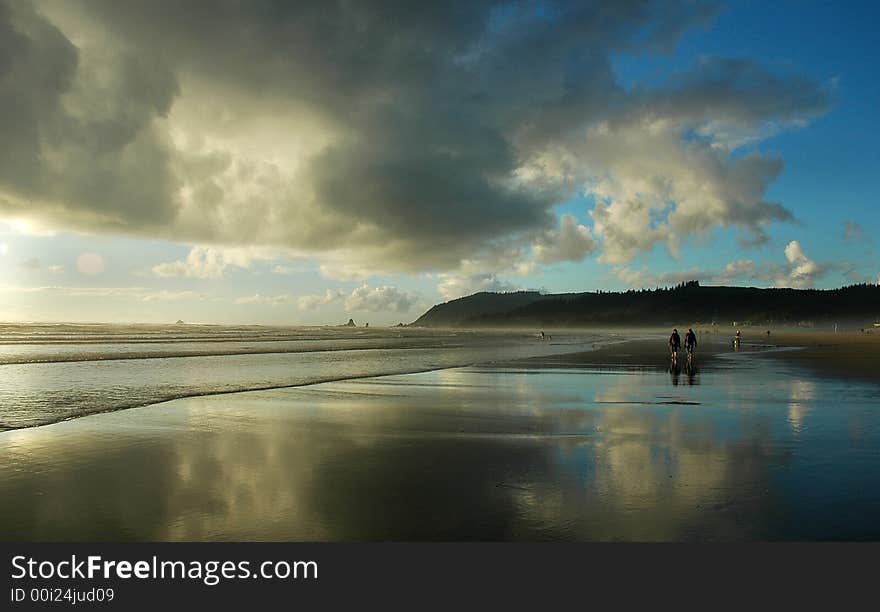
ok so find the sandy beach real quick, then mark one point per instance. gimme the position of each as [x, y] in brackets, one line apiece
[600, 445]
[851, 354]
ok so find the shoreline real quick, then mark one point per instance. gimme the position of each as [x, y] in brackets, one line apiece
[51, 391]
[845, 355]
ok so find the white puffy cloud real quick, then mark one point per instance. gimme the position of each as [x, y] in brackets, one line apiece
[799, 272]
[571, 242]
[645, 279]
[363, 298]
[737, 270]
[212, 262]
[802, 271]
[311, 302]
[455, 286]
[652, 189]
[379, 299]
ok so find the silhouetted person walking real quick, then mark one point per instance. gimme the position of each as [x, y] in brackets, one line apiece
[674, 344]
[690, 342]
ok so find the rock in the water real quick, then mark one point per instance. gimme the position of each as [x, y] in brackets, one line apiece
[350, 323]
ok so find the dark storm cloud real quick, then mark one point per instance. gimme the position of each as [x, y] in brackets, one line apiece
[78, 136]
[410, 135]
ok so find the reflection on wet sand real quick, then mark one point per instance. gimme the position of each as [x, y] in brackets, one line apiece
[802, 393]
[457, 454]
[690, 374]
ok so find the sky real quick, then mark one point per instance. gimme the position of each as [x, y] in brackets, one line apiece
[302, 163]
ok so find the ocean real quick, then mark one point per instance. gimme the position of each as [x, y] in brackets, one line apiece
[51, 373]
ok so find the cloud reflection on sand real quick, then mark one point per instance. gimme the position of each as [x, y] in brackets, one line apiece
[802, 393]
[453, 455]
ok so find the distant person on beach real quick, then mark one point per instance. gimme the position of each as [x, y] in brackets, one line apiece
[737, 339]
[674, 344]
[690, 342]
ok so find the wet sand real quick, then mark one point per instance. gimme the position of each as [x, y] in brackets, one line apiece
[648, 350]
[848, 355]
[618, 449]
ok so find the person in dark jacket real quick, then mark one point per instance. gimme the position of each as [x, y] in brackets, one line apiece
[690, 341]
[674, 344]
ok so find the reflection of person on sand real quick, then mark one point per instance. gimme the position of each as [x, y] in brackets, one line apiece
[674, 345]
[674, 372]
[691, 372]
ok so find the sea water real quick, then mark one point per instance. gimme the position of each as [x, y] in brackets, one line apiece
[50, 373]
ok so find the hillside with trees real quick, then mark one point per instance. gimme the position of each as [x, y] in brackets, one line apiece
[687, 302]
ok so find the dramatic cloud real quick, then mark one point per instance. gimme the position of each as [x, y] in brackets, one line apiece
[381, 135]
[571, 242]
